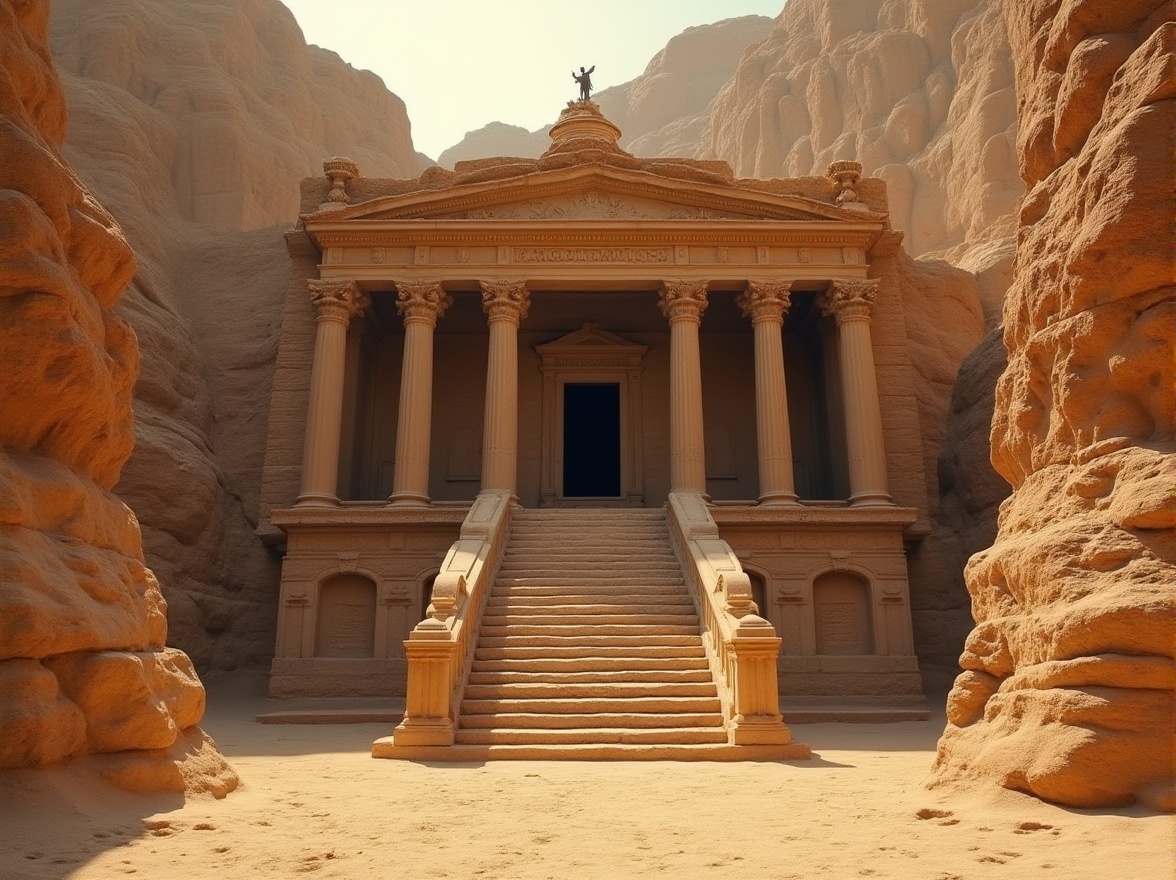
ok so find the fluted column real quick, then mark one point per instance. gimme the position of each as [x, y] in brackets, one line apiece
[683, 302]
[850, 302]
[421, 304]
[336, 303]
[766, 303]
[506, 302]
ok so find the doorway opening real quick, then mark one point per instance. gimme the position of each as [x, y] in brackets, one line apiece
[592, 440]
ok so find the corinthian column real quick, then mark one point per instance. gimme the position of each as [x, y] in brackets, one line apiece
[766, 303]
[850, 302]
[506, 302]
[336, 302]
[421, 304]
[683, 302]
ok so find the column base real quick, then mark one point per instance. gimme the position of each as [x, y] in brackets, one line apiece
[409, 499]
[779, 499]
[316, 499]
[870, 499]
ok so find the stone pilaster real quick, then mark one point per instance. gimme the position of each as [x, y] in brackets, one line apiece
[506, 304]
[336, 303]
[421, 304]
[850, 302]
[766, 303]
[683, 302]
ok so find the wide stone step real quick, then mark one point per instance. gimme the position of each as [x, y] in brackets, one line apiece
[587, 540]
[589, 581]
[585, 603]
[591, 720]
[599, 591]
[598, 629]
[588, 664]
[560, 711]
[666, 735]
[628, 642]
[693, 650]
[602, 561]
[613, 618]
[566, 679]
[575, 695]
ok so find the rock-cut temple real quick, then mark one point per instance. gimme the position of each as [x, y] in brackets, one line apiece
[591, 452]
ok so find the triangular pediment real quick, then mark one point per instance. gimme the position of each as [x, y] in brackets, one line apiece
[590, 343]
[592, 193]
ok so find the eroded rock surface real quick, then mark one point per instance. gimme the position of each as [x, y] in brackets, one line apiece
[83, 666]
[194, 121]
[1067, 688]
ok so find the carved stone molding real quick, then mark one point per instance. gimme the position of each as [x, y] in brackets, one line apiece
[849, 298]
[766, 300]
[682, 300]
[422, 300]
[505, 299]
[337, 300]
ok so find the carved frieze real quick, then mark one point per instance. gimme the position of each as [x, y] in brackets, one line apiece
[590, 255]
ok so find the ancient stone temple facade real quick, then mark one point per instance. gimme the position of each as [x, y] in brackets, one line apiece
[592, 330]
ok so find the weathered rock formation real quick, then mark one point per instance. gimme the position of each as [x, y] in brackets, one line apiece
[196, 138]
[83, 666]
[661, 113]
[1067, 688]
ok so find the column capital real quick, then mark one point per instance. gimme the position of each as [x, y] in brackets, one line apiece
[422, 300]
[765, 300]
[337, 300]
[505, 299]
[683, 300]
[849, 298]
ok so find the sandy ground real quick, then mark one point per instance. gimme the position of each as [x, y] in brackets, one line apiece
[314, 803]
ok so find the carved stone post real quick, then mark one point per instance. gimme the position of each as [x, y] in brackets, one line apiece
[506, 302]
[336, 302]
[421, 304]
[766, 303]
[850, 302]
[683, 302]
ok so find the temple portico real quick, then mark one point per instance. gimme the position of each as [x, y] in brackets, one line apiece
[589, 330]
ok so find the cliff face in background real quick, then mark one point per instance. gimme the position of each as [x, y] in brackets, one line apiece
[83, 665]
[194, 121]
[660, 113]
[1067, 689]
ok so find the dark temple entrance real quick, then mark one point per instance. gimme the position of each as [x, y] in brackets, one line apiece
[592, 441]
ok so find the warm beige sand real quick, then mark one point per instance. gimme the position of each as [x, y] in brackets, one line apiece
[314, 802]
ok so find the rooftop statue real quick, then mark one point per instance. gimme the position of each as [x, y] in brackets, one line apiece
[584, 78]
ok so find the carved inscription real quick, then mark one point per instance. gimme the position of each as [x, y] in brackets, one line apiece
[349, 632]
[591, 255]
[837, 625]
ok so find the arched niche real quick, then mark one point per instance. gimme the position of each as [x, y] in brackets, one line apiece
[759, 592]
[841, 611]
[345, 625]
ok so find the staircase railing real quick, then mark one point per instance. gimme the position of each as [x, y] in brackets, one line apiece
[441, 648]
[741, 646]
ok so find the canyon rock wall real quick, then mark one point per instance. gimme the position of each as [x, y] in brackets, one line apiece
[83, 665]
[661, 113]
[1067, 688]
[194, 121]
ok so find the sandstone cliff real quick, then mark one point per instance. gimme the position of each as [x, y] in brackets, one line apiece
[83, 665]
[1067, 689]
[661, 113]
[196, 136]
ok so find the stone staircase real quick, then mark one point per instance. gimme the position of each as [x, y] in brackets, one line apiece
[590, 641]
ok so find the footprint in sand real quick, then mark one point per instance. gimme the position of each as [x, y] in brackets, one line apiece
[1030, 827]
[946, 815]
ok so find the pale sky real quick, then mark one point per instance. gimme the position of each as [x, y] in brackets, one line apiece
[459, 64]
